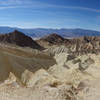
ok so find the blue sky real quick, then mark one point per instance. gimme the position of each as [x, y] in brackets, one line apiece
[50, 13]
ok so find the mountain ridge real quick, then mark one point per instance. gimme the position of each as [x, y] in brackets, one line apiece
[41, 32]
[20, 39]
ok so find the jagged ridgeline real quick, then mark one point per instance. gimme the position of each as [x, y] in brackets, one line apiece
[80, 45]
[86, 44]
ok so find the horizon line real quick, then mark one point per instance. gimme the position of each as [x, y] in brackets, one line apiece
[51, 28]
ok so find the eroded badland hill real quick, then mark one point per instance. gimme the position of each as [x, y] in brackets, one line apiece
[66, 69]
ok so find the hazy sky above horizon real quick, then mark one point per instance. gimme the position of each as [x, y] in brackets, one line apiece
[50, 13]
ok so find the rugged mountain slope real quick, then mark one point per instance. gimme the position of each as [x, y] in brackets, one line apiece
[70, 77]
[30, 74]
[80, 45]
[52, 39]
[88, 44]
[17, 60]
[20, 39]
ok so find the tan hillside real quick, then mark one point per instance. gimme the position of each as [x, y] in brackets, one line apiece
[17, 60]
[51, 74]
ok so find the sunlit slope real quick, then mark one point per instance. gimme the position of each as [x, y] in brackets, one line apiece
[17, 60]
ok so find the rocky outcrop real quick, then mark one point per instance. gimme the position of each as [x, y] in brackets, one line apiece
[20, 39]
[52, 39]
[80, 45]
[17, 60]
[87, 43]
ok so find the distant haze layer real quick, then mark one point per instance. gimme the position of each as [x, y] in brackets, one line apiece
[40, 32]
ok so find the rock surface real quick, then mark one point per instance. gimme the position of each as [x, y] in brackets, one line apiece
[80, 45]
[52, 39]
[20, 39]
[30, 74]
[57, 82]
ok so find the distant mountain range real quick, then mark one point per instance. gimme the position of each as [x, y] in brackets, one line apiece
[40, 32]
